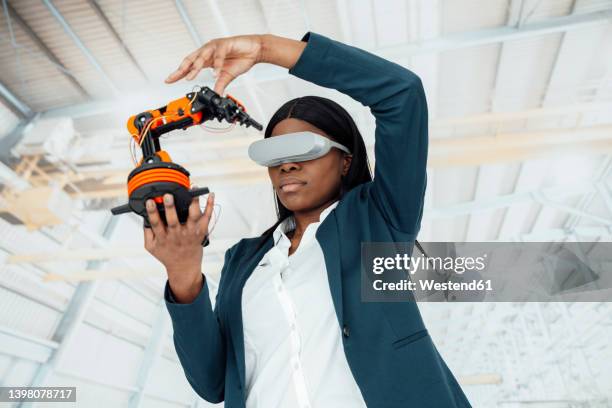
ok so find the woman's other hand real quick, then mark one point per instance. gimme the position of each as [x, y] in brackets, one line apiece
[179, 246]
[229, 57]
[232, 56]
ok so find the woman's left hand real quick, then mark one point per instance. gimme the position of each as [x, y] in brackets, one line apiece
[229, 56]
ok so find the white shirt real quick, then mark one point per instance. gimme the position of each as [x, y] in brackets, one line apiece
[294, 356]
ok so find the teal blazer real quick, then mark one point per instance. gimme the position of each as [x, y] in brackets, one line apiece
[388, 348]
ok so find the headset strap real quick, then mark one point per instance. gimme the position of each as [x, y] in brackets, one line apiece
[339, 146]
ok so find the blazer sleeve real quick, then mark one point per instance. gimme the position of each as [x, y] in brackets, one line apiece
[199, 341]
[397, 100]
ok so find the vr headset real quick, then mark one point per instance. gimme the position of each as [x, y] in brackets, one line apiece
[291, 147]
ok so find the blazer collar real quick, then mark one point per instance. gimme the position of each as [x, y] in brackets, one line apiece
[288, 224]
[328, 237]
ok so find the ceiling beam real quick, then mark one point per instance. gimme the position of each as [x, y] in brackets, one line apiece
[14, 104]
[182, 10]
[500, 34]
[562, 234]
[24, 346]
[426, 26]
[480, 379]
[45, 50]
[152, 352]
[543, 111]
[513, 16]
[75, 38]
[575, 211]
[520, 146]
[106, 22]
[557, 66]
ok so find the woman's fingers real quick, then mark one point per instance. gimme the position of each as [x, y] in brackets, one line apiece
[195, 69]
[194, 218]
[222, 81]
[202, 61]
[154, 220]
[193, 63]
[205, 219]
[149, 239]
[183, 69]
[194, 212]
[172, 220]
[219, 58]
[223, 78]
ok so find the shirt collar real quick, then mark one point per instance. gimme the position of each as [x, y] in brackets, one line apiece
[288, 224]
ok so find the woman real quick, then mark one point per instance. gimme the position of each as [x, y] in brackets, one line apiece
[288, 328]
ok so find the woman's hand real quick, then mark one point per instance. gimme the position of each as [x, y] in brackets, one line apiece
[179, 246]
[232, 56]
[229, 57]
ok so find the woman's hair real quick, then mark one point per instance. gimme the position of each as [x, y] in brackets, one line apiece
[338, 125]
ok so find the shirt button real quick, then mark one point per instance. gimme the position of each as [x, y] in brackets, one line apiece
[345, 331]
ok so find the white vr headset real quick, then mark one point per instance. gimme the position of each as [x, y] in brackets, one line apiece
[291, 147]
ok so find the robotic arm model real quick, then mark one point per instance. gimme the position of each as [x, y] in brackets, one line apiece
[156, 174]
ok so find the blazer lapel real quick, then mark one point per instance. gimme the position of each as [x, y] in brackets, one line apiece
[327, 235]
[245, 267]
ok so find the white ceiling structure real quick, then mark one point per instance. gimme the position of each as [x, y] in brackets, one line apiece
[520, 103]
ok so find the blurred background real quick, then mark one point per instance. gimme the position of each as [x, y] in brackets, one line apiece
[520, 104]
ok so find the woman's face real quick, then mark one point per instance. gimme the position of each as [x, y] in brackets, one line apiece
[307, 185]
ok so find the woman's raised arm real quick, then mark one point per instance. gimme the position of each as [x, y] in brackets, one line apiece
[396, 98]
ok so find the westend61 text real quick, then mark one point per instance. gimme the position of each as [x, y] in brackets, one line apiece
[429, 285]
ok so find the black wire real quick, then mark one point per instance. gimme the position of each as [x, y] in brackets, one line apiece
[418, 245]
